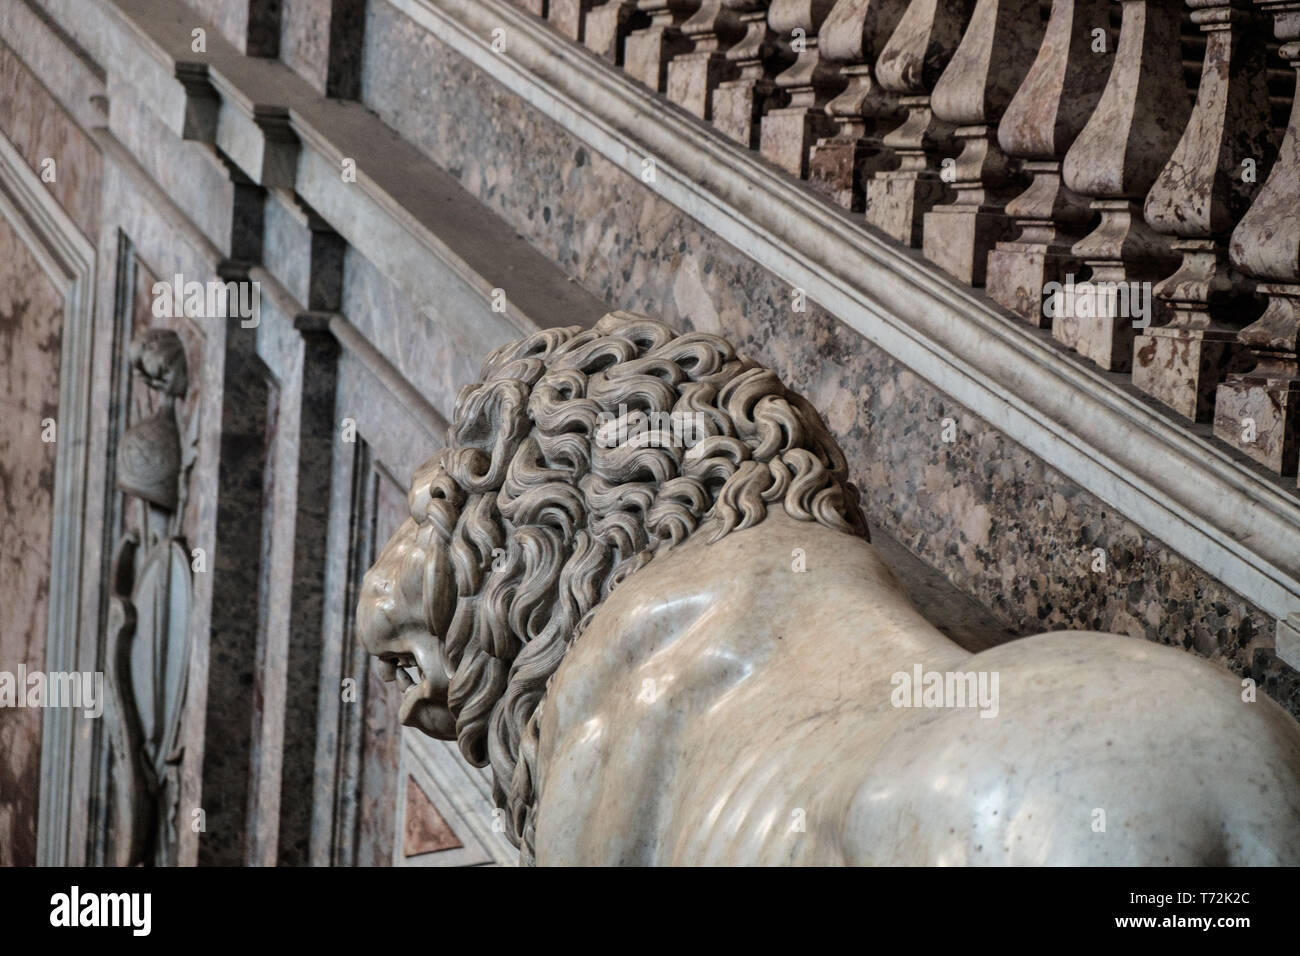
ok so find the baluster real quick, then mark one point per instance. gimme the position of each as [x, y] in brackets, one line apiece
[788, 131]
[853, 35]
[568, 16]
[1115, 161]
[1256, 411]
[607, 26]
[910, 65]
[1200, 195]
[758, 57]
[647, 52]
[994, 55]
[1049, 110]
[693, 76]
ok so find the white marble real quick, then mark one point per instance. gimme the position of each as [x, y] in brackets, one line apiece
[769, 706]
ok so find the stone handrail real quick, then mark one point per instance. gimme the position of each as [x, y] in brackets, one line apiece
[1110, 171]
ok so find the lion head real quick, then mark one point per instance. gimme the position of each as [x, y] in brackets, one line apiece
[579, 456]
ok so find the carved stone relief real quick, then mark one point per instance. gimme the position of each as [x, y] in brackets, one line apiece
[147, 651]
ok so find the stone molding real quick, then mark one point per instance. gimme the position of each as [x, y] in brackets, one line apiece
[402, 212]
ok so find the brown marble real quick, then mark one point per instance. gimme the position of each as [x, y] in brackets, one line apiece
[788, 131]
[1114, 161]
[910, 65]
[1257, 412]
[31, 325]
[648, 51]
[426, 830]
[568, 16]
[759, 55]
[693, 76]
[972, 94]
[1198, 198]
[40, 129]
[1264, 246]
[1182, 366]
[608, 24]
[851, 38]
[1048, 111]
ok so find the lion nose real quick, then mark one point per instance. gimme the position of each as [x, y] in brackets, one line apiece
[390, 599]
[374, 613]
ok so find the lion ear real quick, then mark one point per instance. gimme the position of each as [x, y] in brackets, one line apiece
[439, 589]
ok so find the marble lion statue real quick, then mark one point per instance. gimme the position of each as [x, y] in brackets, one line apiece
[637, 583]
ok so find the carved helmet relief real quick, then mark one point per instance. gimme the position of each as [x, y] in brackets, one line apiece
[579, 456]
[148, 624]
[149, 455]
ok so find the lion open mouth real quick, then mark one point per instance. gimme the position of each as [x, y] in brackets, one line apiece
[405, 671]
[423, 704]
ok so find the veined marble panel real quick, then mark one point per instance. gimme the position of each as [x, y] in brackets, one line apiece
[31, 327]
[53, 145]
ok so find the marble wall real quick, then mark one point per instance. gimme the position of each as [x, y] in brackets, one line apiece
[66, 159]
[381, 740]
[1003, 527]
[304, 38]
[321, 41]
[41, 130]
[31, 325]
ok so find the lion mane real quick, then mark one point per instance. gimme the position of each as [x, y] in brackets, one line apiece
[536, 515]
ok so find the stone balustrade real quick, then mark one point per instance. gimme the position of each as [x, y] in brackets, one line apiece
[1256, 410]
[841, 163]
[693, 76]
[789, 130]
[569, 16]
[607, 25]
[1110, 170]
[994, 55]
[648, 51]
[1114, 162]
[910, 65]
[756, 60]
[1047, 113]
[1202, 192]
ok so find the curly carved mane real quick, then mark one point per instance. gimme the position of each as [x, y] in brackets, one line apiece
[551, 492]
